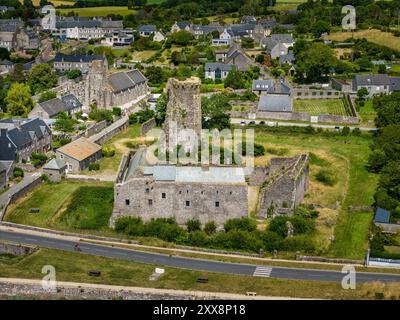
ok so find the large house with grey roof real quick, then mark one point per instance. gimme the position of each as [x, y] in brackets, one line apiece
[275, 96]
[52, 108]
[20, 138]
[277, 45]
[84, 29]
[81, 62]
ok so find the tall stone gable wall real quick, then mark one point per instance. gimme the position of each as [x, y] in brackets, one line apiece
[184, 105]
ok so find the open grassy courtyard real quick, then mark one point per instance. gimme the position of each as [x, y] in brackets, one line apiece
[98, 11]
[345, 158]
[316, 107]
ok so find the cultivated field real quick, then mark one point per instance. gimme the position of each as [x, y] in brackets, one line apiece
[98, 11]
[316, 107]
[376, 36]
[56, 3]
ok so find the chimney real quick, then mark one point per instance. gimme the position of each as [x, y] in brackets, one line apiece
[3, 132]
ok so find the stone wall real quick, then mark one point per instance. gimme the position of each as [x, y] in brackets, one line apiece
[330, 118]
[143, 197]
[147, 126]
[16, 249]
[284, 116]
[308, 93]
[285, 186]
[110, 131]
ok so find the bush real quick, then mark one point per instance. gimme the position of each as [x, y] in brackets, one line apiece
[298, 244]
[116, 111]
[198, 238]
[272, 241]
[95, 166]
[259, 149]
[278, 226]
[193, 225]
[244, 223]
[165, 229]
[210, 227]
[132, 226]
[108, 152]
[326, 177]
[18, 173]
[38, 159]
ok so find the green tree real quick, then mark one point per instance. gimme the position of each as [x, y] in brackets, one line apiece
[210, 227]
[181, 38]
[42, 77]
[214, 112]
[193, 225]
[234, 79]
[19, 100]
[161, 109]
[64, 123]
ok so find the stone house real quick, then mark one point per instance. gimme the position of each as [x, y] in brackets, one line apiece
[274, 97]
[374, 83]
[28, 40]
[8, 37]
[55, 169]
[179, 26]
[20, 138]
[78, 154]
[3, 176]
[239, 59]
[64, 62]
[217, 70]
[51, 108]
[341, 85]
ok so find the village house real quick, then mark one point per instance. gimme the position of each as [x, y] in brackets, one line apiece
[147, 30]
[64, 62]
[223, 40]
[277, 44]
[216, 70]
[8, 37]
[374, 83]
[6, 66]
[274, 97]
[159, 36]
[118, 38]
[20, 138]
[79, 154]
[179, 26]
[51, 108]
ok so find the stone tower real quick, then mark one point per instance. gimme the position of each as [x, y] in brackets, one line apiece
[96, 84]
[183, 109]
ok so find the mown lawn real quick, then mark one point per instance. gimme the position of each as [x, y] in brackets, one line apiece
[98, 11]
[316, 107]
[67, 205]
[346, 157]
[74, 267]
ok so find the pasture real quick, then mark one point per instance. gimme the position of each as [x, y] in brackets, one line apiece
[98, 11]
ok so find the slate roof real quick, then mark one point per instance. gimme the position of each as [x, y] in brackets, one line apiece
[71, 102]
[55, 164]
[372, 80]
[63, 104]
[382, 216]
[395, 84]
[77, 58]
[79, 149]
[6, 63]
[275, 103]
[147, 28]
[212, 66]
[2, 166]
[182, 24]
[121, 81]
[263, 85]
[287, 57]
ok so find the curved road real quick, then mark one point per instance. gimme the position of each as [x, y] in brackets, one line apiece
[191, 263]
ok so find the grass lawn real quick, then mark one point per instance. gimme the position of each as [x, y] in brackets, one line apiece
[316, 107]
[66, 205]
[373, 35]
[98, 11]
[367, 114]
[142, 55]
[211, 87]
[346, 158]
[74, 267]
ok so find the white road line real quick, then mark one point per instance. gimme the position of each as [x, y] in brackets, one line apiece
[262, 272]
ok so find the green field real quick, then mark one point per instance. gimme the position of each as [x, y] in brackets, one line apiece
[98, 11]
[316, 107]
[66, 205]
[74, 267]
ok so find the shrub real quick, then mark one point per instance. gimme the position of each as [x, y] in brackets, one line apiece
[95, 166]
[18, 173]
[272, 241]
[298, 244]
[165, 229]
[108, 152]
[259, 149]
[210, 227]
[278, 225]
[198, 238]
[116, 111]
[193, 225]
[243, 223]
[326, 177]
[38, 159]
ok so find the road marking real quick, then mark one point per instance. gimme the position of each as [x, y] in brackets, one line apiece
[262, 272]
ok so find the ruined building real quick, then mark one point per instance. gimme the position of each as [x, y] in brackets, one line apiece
[149, 188]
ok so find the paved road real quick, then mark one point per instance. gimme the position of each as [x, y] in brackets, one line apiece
[297, 124]
[190, 263]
